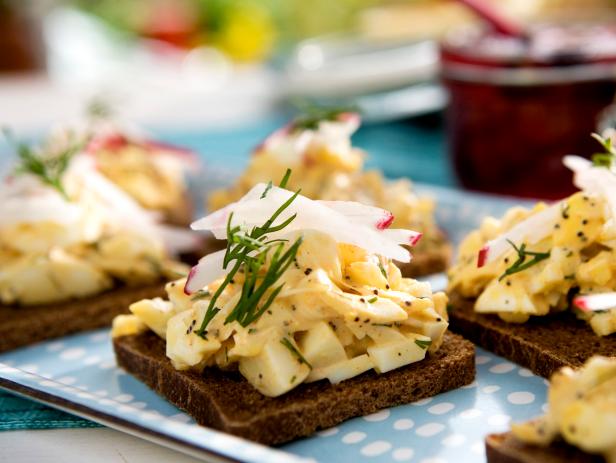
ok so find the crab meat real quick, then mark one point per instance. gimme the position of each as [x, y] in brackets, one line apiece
[595, 302]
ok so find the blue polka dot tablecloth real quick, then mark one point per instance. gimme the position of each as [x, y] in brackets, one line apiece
[79, 374]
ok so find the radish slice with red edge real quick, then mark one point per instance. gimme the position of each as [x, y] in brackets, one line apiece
[595, 302]
[530, 231]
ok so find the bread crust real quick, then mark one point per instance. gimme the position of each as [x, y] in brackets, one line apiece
[542, 344]
[227, 402]
[505, 448]
[25, 325]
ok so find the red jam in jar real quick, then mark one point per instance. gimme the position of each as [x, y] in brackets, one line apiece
[517, 106]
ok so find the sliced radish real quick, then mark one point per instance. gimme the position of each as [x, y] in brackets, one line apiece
[532, 230]
[205, 272]
[595, 302]
[362, 214]
[402, 236]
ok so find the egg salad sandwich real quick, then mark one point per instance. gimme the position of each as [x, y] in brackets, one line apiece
[75, 250]
[539, 286]
[579, 426]
[153, 173]
[302, 322]
[317, 146]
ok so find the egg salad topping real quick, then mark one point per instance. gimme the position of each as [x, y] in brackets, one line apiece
[326, 166]
[66, 232]
[150, 172]
[548, 259]
[310, 293]
[582, 410]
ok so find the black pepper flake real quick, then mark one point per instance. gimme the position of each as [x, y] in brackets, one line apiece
[407, 303]
[508, 282]
[260, 376]
[557, 226]
[585, 222]
[386, 286]
[399, 354]
[308, 271]
[572, 429]
[506, 260]
[269, 312]
[439, 319]
[376, 291]
[356, 319]
[580, 234]
[361, 299]
[506, 301]
[173, 284]
[231, 281]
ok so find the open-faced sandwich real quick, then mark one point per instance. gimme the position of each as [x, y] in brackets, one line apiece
[327, 167]
[303, 321]
[579, 426]
[75, 250]
[151, 172]
[539, 285]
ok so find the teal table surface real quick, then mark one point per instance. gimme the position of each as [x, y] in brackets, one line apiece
[402, 149]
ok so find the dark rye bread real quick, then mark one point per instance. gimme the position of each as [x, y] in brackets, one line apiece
[542, 344]
[227, 402]
[505, 448]
[25, 325]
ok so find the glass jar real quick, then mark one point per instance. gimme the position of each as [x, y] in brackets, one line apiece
[518, 106]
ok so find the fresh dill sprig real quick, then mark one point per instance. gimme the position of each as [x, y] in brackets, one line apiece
[300, 358]
[521, 263]
[249, 252]
[49, 167]
[606, 159]
[424, 344]
[313, 115]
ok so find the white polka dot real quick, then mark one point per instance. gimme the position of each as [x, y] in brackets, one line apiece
[123, 398]
[98, 337]
[403, 424]
[101, 393]
[402, 454]
[454, 440]
[67, 380]
[376, 448]
[482, 359]
[353, 437]
[106, 402]
[29, 367]
[421, 402]
[73, 353]
[490, 389]
[499, 420]
[328, 432]
[433, 460]
[545, 408]
[55, 346]
[470, 386]
[184, 418]
[525, 372]
[471, 413]
[85, 395]
[139, 405]
[92, 360]
[429, 429]
[106, 365]
[501, 368]
[149, 416]
[378, 416]
[478, 448]
[521, 398]
[47, 383]
[441, 409]
[126, 409]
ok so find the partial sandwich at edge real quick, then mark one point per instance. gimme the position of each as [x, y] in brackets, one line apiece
[539, 286]
[75, 250]
[303, 308]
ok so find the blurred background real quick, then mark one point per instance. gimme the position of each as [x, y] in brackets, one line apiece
[446, 96]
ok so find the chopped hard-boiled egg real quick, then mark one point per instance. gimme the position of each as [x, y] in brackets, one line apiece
[582, 410]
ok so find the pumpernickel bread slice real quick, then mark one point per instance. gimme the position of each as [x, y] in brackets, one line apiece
[22, 326]
[542, 344]
[226, 401]
[505, 448]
